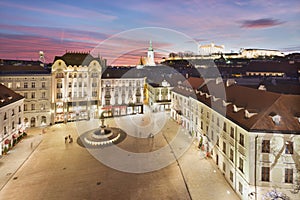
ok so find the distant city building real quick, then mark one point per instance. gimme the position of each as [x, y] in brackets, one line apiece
[210, 49]
[255, 53]
[252, 135]
[33, 81]
[11, 117]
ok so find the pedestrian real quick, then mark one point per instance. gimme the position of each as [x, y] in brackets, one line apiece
[66, 138]
[70, 139]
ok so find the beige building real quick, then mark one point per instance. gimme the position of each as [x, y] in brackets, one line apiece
[11, 115]
[76, 87]
[33, 81]
[159, 96]
[252, 135]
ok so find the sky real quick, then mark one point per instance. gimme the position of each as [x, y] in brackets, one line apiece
[120, 30]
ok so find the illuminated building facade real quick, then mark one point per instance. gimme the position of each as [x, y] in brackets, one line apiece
[252, 135]
[31, 80]
[11, 115]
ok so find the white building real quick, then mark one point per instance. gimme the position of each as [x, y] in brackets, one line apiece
[11, 117]
[210, 49]
[33, 81]
[122, 91]
[76, 87]
[253, 136]
[255, 53]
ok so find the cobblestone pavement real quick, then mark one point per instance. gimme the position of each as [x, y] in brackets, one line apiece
[59, 170]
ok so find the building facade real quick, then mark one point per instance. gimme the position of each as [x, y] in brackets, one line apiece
[122, 91]
[31, 80]
[253, 136]
[11, 115]
[76, 87]
[159, 96]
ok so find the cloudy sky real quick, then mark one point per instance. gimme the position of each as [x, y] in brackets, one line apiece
[121, 30]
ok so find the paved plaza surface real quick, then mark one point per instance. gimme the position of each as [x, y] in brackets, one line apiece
[52, 169]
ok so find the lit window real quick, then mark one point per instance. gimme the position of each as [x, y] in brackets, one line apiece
[33, 85]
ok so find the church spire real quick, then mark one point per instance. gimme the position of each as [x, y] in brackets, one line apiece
[150, 46]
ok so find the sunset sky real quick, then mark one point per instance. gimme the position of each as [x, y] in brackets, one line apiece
[120, 30]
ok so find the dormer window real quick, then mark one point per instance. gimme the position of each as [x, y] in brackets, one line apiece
[276, 119]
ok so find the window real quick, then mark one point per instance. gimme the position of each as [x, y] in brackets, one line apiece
[25, 85]
[231, 176]
[32, 106]
[207, 115]
[59, 85]
[224, 147]
[224, 167]
[59, 95]
[20, 109]
[217, 159]
[232, 132]
[43, 84]
[25, 107]
[80, 84]
[94, 93]
[19, 120]
[218, 141]
[43, 95]
[5, 130]
[69, 94]
[5, 116]
[9, 85]
[265, 146]
[32, 95]
[218, 122]
[70, 84]
[94, 84]
[32, 84]
[241, 165]
[240, 188]
[288, 176]
[13, 125]
[241, 139]
[18, 84]
[25, 95]
[201, 125]
[265, 174]
[289, 147]
[12, 112]
[231, 154]
[224, 127]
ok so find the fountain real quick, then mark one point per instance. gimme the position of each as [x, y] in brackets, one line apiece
[103, 135]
